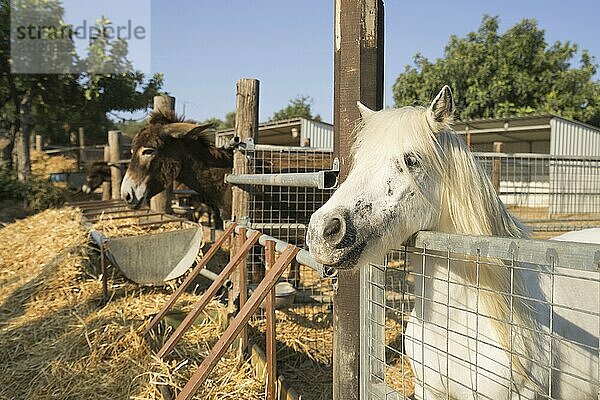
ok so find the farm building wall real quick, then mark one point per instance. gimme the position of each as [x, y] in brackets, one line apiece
[540, 147]
[319, 134]
[574, 185]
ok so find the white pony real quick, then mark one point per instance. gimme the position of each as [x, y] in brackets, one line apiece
[481, 336]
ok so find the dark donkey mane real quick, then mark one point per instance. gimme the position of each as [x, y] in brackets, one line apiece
[167, 117]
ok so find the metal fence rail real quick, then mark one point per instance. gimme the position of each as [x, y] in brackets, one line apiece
[419, 290]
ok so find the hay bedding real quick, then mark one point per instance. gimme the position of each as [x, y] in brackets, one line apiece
[43, 165]
[56, 342]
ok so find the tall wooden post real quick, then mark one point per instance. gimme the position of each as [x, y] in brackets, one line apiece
[38, 143]
[246, 126]
[114, 143]
[82, 159]
[358, 76]
[497, 166]
[106, 186]
[23, 154]
[162, 201]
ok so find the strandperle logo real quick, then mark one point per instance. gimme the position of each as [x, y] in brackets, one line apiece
[74, 36]
[81, 32]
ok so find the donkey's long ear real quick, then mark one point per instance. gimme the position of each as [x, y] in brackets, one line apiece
[441, 109]
[184, 130]
[365, 111]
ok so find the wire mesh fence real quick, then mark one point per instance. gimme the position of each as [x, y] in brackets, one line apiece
[304, 327]
[550, 193]
[475, 317]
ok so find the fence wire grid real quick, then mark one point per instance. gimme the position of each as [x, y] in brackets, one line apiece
[304, 329]
[429, 330]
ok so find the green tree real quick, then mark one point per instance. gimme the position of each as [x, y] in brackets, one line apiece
[227, 123]
[297, 107]
[514, 73]
[60, 103]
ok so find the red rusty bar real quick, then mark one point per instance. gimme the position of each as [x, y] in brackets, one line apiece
[238, 323]
[243, 275]
[270, 314]
[208, 295]
[192, 275]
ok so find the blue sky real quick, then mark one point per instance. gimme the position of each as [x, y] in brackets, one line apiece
[203, 47]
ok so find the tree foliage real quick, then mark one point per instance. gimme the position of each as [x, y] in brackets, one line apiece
[297, 107]
[61, 103]
[514, 73]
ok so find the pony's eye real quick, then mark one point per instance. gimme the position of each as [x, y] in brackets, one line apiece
[148, 151]
[411, 160]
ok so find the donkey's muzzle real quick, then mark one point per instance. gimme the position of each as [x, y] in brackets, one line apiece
[131, 199]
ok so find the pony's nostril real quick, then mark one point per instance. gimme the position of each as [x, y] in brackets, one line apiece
[128, 198]
[334, 231]
[332, 227]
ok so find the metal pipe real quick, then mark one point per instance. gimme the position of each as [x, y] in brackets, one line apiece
[319, 180]
[303, 257]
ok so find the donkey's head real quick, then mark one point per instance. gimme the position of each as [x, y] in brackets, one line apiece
[393, 188]
[98, 172]
[158, 152]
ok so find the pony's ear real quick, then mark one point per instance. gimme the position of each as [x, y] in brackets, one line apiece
[365, 111]
[442, 107]
[184, 130]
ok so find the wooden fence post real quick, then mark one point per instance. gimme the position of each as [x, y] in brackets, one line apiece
[246, 126]
[114, 143]
[82, 158]
[497, 166]
[162, 201]
[106, 186]
[23, 154]
[38, 143]
[358, 76]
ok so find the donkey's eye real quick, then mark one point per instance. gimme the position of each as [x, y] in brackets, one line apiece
[411, 160]
[148, 151]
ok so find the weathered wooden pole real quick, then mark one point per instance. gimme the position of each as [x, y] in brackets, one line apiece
[114, 144]
[246, 126]
[38, 143]
[23, 154]
[497, 166]
[358, 76]
[106, 186]
[162, 201]
[82, 159]
[73, 145]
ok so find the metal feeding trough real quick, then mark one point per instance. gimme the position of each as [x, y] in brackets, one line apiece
[154, 259]
[148, 259]
[285, 294]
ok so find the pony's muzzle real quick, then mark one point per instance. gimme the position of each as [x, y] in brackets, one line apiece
[334, 231]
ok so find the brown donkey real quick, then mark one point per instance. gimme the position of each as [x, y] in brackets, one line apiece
[169, 149]
[98, 172]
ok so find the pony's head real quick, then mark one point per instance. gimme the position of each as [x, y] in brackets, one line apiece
[157, 153]
[410, 172]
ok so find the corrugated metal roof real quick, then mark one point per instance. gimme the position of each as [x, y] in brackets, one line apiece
[289, 132]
